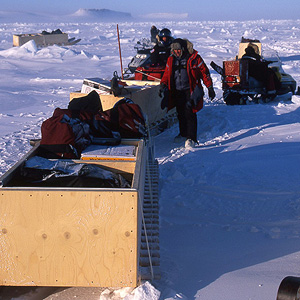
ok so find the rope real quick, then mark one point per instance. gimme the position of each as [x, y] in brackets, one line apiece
[147, 75]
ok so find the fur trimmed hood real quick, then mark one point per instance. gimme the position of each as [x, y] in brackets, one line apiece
[182, 44]
[190, 46]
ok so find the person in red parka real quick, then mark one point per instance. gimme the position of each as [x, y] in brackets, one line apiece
[185, 69]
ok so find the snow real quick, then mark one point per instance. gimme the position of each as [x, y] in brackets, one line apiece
[229, 208]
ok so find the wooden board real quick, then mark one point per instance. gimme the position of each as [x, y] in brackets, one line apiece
[116, 152]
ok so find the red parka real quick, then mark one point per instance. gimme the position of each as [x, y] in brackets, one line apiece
[197, 71]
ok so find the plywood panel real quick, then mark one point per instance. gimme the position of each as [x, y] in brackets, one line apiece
[114, 166]
[68, 238]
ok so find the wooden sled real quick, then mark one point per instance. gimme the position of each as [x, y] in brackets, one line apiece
[85, 237]
[143, 93]
[44, 40]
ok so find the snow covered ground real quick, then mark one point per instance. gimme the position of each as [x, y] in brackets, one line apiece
[230, 208]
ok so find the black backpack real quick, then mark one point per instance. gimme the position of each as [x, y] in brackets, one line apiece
[90, 103]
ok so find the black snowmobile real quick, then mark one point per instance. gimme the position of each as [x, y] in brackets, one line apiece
[142, 57]
[251, 78]
[140, 66]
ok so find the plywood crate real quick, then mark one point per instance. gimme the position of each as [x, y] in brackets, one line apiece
[73, 236]
[40, 39]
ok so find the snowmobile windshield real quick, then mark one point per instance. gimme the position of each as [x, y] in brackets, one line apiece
[273, 58]
[143, 44]
[271, 55]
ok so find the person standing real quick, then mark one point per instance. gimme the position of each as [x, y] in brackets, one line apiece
[185, 69]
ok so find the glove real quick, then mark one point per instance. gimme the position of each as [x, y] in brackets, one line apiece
[165, 100]
[211, 93]
[197, 96]
[161, 91]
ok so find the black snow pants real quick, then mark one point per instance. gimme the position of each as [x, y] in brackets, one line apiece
[186, 118]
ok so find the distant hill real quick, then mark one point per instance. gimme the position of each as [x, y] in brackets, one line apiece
[17, 16]
[81, 15]
[100, 15]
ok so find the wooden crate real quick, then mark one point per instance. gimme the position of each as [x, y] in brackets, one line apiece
[40, 39]
[73, 236]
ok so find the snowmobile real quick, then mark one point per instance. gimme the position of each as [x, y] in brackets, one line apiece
[149, 62]
[239, 87]
[142, 57]
[140, 67]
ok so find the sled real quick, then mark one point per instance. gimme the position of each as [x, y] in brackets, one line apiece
[241, 88]
[143, 93]
[44, 40]
[81, 236]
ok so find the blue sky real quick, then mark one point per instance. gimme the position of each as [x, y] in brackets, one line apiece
[197, 9]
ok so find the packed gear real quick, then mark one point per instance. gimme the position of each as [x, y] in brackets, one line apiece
[65, 134]
[69, 131]
[42, 172]
[89, 103]
[127, 118]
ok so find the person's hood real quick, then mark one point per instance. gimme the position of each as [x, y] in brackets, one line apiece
[182, 44]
